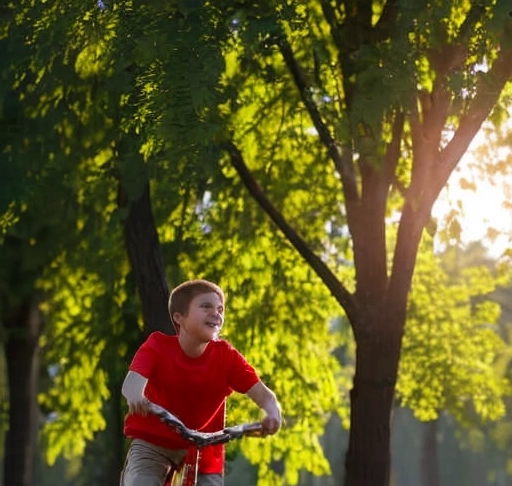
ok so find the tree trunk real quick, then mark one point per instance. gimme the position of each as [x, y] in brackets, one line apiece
[371, 401]
[142, 245]
[21, 350]
[429, 456]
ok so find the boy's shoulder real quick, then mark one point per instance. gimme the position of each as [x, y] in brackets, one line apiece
[223, 342]
[161, 337]
[160, 334]
[223, 346]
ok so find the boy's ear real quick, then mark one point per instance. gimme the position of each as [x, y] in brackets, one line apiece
[176, 317]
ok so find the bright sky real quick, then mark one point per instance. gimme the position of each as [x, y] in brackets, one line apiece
[483, 208]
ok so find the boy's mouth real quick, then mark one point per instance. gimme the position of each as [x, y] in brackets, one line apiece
[213, 325]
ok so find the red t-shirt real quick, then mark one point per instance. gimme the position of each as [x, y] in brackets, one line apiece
[193, 389]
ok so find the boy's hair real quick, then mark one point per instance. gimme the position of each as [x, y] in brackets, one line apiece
[180, 297]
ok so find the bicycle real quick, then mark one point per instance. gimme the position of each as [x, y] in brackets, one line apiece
[186, 473]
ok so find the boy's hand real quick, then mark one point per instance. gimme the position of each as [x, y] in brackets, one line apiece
[270, 425]
[266, 399]
[139, 405]
[133, 390]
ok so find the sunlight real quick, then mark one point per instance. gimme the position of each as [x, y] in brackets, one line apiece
[481, 205]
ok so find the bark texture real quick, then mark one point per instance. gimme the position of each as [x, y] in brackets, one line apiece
[142, 245]
[22, 358]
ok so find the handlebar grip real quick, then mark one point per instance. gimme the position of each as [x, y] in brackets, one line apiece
[253, 429]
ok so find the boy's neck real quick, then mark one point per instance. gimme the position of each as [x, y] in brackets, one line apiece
[190, 347]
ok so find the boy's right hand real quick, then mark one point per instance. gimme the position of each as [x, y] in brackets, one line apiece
[133, 390]
[139, 406]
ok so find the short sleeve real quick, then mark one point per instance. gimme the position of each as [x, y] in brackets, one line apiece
[242, 376]
[145, 358]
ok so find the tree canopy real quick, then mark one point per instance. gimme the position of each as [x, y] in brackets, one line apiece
[273, 144]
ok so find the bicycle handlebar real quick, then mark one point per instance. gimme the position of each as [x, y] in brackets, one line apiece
[202, 439]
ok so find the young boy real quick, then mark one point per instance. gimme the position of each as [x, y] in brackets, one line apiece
[191, 375]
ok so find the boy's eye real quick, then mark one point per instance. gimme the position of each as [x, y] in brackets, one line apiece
[210, 306]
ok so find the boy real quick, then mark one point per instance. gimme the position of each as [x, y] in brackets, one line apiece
[191, 375]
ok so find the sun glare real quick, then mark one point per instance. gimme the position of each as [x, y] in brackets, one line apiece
[482, 207]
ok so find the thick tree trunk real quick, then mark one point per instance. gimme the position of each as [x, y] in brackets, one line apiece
[142, 245]
[371, 401]
[370, 432]
[21, 349]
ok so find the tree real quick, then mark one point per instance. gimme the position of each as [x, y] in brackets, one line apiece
[391, 95]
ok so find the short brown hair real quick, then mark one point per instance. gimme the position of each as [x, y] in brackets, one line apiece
[181, 296]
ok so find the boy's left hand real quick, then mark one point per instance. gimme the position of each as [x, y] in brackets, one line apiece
[270, 424]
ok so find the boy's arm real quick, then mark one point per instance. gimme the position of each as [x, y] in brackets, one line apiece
[133, 390]
[266, 399]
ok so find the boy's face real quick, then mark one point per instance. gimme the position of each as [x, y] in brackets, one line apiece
[204, 319]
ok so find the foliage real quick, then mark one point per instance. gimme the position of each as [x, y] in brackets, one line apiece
[343, 116]
[452, 344]
[91, 118]
[78, 307]
[60, 208]
[290, 343]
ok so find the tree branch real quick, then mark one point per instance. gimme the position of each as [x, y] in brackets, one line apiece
[334, 25]
[489, 89]
[340, 293]
[342, 164]
[393, 148]
[386, 23]
[451, 57]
